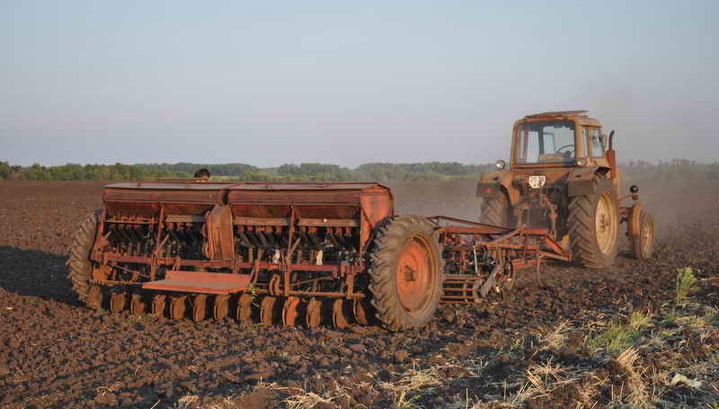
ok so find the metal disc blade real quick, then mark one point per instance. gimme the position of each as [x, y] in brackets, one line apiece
[314, 314]
[137, 305]
[290, 310]
[220, 307]
[244, 308]
[267, 310]
[158, 304]
[199, 307]
[361, 311]
[338, 314]
[117, 301]
[177, 307]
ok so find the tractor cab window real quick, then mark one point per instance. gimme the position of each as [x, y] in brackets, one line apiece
[595, 142]
[545, 142]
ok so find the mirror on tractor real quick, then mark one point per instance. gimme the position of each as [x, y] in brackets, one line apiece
[500, 164]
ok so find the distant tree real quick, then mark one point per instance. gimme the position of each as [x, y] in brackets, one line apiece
[315, 171]
[288, 169]
[66, 172]
[4, 170]
[36, 172]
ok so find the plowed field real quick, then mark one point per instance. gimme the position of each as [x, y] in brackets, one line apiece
[56, 353]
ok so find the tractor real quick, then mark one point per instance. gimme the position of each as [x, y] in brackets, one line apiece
[563, 176]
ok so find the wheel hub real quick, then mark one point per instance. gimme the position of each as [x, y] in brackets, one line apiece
[605, 224]
[413, 277]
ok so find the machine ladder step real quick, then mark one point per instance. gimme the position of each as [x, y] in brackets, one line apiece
[200, 282]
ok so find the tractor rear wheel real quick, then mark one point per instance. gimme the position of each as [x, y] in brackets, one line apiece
[594, 225]
[405, 273]
[496, 211]
[79, 266]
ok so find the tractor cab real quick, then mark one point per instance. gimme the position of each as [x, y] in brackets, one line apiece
[553, 151]
[559, 139]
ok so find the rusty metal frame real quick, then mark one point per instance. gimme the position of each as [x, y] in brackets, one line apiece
[510, 250]
[217, 267]
[108, 261]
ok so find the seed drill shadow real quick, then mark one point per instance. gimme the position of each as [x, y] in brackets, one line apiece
[35, 273]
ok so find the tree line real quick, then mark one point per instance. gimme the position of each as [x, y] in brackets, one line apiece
[244, 172]
[382, 172]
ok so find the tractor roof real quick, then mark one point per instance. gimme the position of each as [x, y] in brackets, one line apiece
[559, 113]
[579, 116]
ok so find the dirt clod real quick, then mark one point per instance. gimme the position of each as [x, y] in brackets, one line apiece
[106, 399]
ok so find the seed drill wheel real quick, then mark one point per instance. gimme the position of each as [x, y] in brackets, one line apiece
[220, 307]
[79, 266]
[594, 225]
[642, 241]
[405, 273]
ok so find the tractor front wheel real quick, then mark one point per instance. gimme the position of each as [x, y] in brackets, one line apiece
[405, 273]
[594, 225]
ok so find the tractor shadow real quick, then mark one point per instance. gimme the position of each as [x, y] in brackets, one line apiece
[35, 273]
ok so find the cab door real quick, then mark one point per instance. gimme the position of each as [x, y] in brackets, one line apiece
[596, 151]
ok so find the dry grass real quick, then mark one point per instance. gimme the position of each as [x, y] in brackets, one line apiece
[306, 400]
[541, 379]
[627, 361]
[556, 338]
[404, 390]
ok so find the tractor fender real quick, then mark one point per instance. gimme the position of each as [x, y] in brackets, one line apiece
[635, 218]
[498, 181]
[580, 181]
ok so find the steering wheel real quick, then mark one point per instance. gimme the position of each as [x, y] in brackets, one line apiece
[569, 150]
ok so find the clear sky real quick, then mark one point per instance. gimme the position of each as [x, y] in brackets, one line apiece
[272, 82]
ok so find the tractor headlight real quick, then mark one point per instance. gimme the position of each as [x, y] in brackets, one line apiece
[500, 164]
[581, 162]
